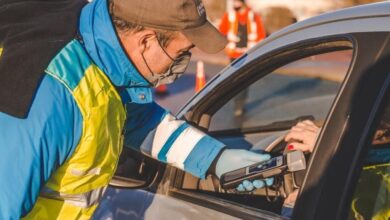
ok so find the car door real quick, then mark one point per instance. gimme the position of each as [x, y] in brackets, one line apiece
[345, 33]
[256, 107]
[349, 153]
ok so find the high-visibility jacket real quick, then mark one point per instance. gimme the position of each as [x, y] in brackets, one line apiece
[74, 189]
[56, 163]
[371, 199]
[229, 27]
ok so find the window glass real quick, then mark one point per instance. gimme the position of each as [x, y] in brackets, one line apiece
[306, 87]
[371, 199]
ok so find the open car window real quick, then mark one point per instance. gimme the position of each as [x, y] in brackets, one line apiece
[260, 113]
[303, 88]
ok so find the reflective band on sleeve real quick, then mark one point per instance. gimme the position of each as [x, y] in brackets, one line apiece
[183, 145]
[84, 200]
[164, 130]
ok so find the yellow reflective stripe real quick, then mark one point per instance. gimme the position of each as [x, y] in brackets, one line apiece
[94, 171]
[83, 200]
[60, 210]
[1, 51]
[356, 213]
[376, 166]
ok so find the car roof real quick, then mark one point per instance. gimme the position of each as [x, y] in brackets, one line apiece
[381, 9]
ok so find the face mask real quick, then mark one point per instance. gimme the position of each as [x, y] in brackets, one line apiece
[237, 8]
[175, 70]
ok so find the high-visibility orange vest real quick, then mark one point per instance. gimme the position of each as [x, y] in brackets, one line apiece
[229, 27]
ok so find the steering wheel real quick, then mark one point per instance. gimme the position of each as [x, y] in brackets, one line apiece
[291, 180]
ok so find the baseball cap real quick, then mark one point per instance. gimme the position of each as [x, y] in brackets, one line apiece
[187, 16]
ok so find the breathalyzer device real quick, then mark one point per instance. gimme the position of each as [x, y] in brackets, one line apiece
[290, 162]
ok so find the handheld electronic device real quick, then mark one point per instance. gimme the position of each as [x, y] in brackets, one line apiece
[291, 162]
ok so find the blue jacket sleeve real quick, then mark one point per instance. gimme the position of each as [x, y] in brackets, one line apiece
[32, 148]
[158, 134]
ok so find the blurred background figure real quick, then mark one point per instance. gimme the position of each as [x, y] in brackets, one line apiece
[242, 27]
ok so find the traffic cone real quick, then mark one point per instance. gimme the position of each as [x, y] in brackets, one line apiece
[200, 76]
[161, 90]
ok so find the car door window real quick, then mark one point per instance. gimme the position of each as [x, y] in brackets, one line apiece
[371, 199]
[306, 87]
[303, 88]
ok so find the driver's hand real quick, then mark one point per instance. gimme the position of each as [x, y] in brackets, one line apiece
[303, 136]
[233, 159]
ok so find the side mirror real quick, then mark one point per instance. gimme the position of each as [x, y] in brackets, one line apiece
[136, 171]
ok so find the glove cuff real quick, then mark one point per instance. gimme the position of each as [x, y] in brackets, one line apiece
[211, 170]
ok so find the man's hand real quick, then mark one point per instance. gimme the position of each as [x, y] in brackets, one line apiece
[303, 136]
[232, 159]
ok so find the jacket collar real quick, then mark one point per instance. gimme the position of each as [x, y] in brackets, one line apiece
[102, 44]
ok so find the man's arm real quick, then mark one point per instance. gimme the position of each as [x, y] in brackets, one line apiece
[156, 133]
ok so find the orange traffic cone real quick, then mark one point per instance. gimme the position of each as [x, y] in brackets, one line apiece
[200, 76]
[161, 90]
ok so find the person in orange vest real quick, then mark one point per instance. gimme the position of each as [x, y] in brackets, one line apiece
[242, 27]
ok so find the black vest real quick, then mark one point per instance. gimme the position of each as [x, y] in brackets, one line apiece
[32, 32]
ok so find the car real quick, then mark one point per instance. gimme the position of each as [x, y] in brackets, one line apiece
[332, 69]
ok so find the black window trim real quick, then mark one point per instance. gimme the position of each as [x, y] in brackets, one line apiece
[328, 43]
[320, 196]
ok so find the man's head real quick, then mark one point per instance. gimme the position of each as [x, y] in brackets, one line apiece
[158, 34]
[239, 4]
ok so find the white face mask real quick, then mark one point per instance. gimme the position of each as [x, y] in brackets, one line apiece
[175, 70]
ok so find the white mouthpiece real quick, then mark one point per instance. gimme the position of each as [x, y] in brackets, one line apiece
[296, 161]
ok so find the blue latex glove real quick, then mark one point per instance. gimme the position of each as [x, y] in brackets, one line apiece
[233, 159]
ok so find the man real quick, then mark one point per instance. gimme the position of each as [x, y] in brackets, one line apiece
[59, 146]
[243, 29]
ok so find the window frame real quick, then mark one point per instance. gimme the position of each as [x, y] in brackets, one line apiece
[268, 63]
[264, 65]
[351, 124]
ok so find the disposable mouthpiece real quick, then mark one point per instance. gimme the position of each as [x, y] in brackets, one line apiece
[296, 161]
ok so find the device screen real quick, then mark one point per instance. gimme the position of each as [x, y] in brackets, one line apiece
[274, 162]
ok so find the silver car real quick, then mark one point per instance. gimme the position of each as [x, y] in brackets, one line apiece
[332, 69]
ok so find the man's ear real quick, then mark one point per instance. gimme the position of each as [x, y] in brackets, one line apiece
[145, 38]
